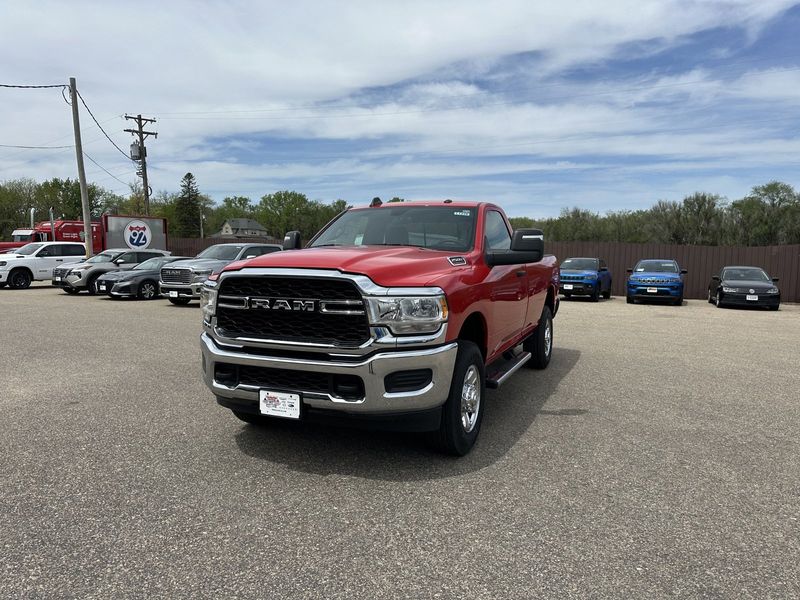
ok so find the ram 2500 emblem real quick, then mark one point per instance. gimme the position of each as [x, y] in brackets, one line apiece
[282, 304]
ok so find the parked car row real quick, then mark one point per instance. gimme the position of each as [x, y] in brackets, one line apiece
[121, 272]
[663, 279]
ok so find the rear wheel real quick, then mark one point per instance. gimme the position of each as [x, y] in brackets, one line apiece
[148, 290]
[540, 342]
[70, 290]
[462, 414]
[19, 279]
[180, 301]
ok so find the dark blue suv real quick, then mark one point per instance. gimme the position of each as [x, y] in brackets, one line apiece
[655, 279]
[585, 277]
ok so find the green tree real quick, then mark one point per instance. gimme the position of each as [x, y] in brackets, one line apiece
[187, 209]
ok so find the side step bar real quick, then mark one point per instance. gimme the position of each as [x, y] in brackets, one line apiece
[502, 369]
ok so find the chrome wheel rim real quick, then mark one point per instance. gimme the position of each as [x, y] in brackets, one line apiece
[548, 338]
[470, 399]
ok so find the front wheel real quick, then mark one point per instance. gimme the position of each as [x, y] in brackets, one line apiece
[19, 279]
[462, 413]
[629, 299]
[595, 297]
[91, 285]
[180, 301]
[540, 342]
[607, 293]
[70, 290]
[148, 290]
[718, 300]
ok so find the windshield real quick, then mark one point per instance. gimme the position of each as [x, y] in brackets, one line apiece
[221, 252]
[21, 236]
[437, 228]
[152, 264]
[28, 249]
[656, 266]
[103, 257]
[580, 264]
[745, 274]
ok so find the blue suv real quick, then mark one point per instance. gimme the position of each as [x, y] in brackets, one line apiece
[658, 279]
[585, 277]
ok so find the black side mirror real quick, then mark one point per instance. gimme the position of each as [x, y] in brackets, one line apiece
[527, 246]
[291, 241]
[684, 271]
[715, 277]
[629, 270]
[604, 268]
[775, 279]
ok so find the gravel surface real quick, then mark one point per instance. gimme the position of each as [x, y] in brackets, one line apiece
[657, 456]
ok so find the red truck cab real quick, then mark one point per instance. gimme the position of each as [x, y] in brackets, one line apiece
[404, 312]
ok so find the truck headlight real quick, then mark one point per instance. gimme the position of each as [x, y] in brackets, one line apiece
[202, 275]
[208, 300]
[408, 314]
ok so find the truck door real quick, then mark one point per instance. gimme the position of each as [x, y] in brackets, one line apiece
[46, 259]
[509, 285]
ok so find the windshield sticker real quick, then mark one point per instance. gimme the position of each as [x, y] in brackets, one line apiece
[666, 264]
[461, 213]
[640, 269]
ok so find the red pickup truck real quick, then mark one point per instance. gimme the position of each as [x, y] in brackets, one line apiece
[402, 314]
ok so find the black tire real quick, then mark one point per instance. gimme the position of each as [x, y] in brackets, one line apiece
[2, 284]
[776, 307]
[70, 290]
[148, 290]
[718, 300]
[567, 295]
[595, 297]
[250, 418]
[629, 299]
[607, 293]
[91, 285]
[679, 301]
[462, 414]
[180, 301]
[710, 297]
[19, 279]
[540, 342]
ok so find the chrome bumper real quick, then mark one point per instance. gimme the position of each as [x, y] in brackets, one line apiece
[372, 370]
[185, 290]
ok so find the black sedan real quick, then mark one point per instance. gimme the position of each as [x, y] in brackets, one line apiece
[744, 286]
[139, 282]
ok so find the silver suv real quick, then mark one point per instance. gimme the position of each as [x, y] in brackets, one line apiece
[83, 276]
[181, 280]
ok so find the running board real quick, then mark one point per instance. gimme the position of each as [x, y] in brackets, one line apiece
[502, 369]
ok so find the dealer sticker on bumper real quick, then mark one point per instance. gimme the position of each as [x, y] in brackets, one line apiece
[751, 297]
[173, 294]
[652, 290]
[279, 404]
[102, 288]
[56, 278]
[567, 286]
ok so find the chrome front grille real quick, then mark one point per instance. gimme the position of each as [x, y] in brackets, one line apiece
[175, 275]
[655, 280]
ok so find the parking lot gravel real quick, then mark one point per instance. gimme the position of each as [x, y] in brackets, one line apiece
[658, 456]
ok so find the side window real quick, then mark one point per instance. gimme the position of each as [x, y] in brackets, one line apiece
[74, 250]
[143, 256]
[48, 251]
[496, 231]
[127, 258]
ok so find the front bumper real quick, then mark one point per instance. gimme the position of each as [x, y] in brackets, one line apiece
[183, 290]
[655, 291]
[578, 288]
[736, 299]
[372, 370]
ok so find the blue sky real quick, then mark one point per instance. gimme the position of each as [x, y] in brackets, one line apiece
[536, 106]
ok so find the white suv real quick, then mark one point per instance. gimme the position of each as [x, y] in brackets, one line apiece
[35, 262]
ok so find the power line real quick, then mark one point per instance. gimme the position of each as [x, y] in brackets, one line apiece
[32, 87]
[104, 169]
[121, 151]
[35, 147]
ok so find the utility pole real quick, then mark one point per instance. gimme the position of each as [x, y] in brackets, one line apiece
[76, 125]
[141, 154]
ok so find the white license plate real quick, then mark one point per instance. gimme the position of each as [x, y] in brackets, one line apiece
[751, 297]
[567, 286]
[652, 290]
[56, 278]
[102, 288]
[173, 294]
[279, 404]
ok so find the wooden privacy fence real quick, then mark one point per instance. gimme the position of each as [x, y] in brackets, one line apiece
[701, 261]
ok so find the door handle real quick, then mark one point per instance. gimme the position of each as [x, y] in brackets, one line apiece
[59, 260]
[521, 273]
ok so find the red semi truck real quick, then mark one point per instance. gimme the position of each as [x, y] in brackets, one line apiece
[111, 231]
[402, 313]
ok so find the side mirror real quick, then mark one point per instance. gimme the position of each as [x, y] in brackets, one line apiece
[604, 268]
[775, 279]
[119, 262]
[250, 256]
[684, 271]
[291, 241]
[715, 277]
[629, 270]
[527, 246]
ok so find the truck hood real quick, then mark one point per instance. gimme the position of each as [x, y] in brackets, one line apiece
[404, 266]
[197, 264]
[754, 284]
[654, 274]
